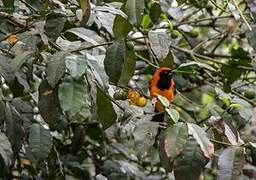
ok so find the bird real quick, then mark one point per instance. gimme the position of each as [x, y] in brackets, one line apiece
[162, 84]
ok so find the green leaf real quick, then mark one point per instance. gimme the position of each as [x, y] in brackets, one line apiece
[8, 5]
[85, 5]
[72, 95]
[231, 162]
[190, 163]
[173, 114]
[201, 137]
[40, 140]
[128, 67]
[105, 110]
[6, 150]
[121, 27]
[173, 140]
[54, 24]
[155, 12]
[15, 132]
[231, 72]
[163, 100]
[134, 10]
[19, 60]
[76, 65]
[49, 107]
[114, 60]
[146, 21]
[56, 68]
[6, 70]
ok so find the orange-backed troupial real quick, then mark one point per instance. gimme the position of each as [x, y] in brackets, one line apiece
[162, 84]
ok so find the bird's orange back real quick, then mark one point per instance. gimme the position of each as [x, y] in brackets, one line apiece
[162, 84]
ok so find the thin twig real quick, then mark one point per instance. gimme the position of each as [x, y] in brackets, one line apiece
[203, 19]
[59, 161]
[225, 35]
[253, 103]
[189, 52]
[216, 36]
[242, 16]
[217, 6]
[146, 60]
[220, 142]
[29, 6]
[103, 44]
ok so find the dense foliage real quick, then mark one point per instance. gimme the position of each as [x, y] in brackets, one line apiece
[70, 71]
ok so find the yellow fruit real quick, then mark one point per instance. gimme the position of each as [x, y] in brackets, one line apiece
[12, 39]
[142, 101]
[133, 95]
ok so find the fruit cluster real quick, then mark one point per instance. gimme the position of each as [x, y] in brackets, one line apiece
[135, 98]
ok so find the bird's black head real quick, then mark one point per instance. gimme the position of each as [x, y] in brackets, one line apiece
[166, 74]
[165, 80]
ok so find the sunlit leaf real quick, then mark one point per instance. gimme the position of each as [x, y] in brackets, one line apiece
[160, 42]
[174, 115]
[97, 67]
[76, 65]
[72, 95]
[110, 9]
[163, 100]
